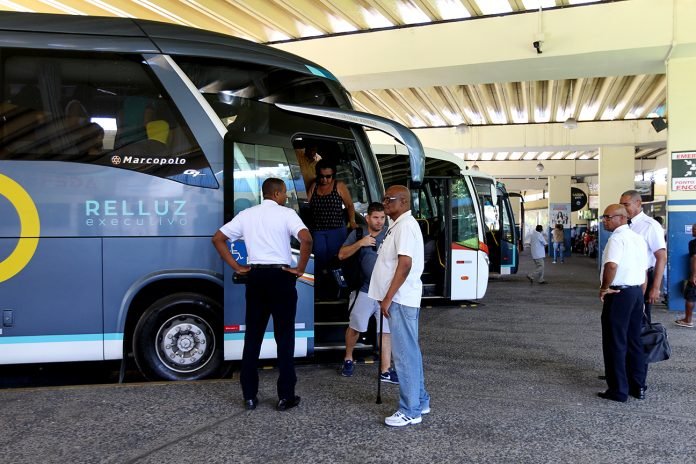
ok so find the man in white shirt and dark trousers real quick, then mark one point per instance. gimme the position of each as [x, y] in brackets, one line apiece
[654, 235]
[624, 262]
[396, 285]
[538, 243]
[270, 289]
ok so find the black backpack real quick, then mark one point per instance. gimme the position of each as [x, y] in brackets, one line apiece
[348, 273]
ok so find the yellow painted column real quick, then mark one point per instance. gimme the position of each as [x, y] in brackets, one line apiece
[616, 175]
[681, 179]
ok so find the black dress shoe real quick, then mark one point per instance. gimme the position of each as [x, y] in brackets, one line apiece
[286, 404]
[602, 377]
[638, 393]
[251, 404]
[607, 395]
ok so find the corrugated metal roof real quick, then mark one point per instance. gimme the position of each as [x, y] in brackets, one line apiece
[586, 99]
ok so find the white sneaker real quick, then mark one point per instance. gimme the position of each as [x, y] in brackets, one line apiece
[399, 420]
[426, 410]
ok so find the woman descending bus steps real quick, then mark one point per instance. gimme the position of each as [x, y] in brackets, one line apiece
[327, 197]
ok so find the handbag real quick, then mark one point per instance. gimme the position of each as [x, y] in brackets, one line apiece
[655, 342]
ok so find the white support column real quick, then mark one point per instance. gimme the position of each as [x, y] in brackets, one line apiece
[681, 180]
[559, 208]
[616, 175]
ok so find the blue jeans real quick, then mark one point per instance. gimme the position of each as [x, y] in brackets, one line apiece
[326, 246]
[408, 361]
[558, 251]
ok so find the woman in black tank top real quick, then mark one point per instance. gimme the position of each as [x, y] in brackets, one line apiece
[327, 197]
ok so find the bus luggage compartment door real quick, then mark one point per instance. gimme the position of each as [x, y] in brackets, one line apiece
[55, 302]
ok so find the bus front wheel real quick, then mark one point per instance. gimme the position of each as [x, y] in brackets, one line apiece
[179, 337]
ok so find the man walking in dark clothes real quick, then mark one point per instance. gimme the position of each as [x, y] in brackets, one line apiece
[624, 262]
[270, 289]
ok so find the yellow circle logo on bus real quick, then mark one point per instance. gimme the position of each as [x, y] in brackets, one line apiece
[29, 228]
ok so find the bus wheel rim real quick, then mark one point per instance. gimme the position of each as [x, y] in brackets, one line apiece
[185, 343]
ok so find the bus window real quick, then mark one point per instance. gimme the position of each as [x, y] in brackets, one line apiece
[252, 165]
[103, 109]
[488, 204]
[507, 221]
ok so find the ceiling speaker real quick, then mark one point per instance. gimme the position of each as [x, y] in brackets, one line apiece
[659, 124]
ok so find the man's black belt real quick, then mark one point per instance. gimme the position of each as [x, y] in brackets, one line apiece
[622, 287]
[267, 266]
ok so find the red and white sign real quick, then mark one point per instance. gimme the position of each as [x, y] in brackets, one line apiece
[684, 155]
[684, 183]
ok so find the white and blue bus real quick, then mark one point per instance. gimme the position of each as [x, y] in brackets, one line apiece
[124, 145]
[467, 222]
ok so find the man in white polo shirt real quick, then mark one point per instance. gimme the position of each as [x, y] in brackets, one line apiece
[396, 285]
[654, 236]
[624, 262]
[270, 290]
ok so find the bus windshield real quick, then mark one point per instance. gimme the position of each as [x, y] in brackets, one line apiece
[228, 85]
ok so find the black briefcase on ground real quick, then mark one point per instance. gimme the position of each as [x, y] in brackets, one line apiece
[655, 342]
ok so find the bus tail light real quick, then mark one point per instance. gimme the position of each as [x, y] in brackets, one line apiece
[483, 247]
